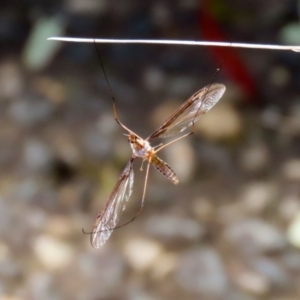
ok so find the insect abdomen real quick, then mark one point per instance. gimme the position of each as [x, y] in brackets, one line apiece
[162, 167]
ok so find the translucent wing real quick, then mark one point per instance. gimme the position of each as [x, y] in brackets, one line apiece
[189, 112]
[110, 215]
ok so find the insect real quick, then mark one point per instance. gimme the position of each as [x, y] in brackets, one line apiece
[184, 117]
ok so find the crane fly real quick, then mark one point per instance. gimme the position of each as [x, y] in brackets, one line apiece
[185, 116]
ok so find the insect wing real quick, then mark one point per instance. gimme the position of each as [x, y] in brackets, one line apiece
[110, 215]
[189, 112]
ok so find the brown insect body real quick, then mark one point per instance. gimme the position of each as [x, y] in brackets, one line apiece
[142, 148]
[184, 117]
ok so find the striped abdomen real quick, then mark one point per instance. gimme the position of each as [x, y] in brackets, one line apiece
[162, 167]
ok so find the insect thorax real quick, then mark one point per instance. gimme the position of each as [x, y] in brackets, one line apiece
[140, 147]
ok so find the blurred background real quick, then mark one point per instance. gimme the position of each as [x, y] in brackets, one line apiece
[229, 230]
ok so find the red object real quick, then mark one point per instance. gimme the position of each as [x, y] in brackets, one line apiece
[233, 65]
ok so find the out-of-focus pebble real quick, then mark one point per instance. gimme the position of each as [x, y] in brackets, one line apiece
[222, 122]
[42, 286]
[161, 15]
[51, 89]
[279, 76]
[291, 169]
[65, 147]
[203, 209]
[255, 236]
[272, 271]
[252, 282]
[292, 260]
[37, 217]
[102, 271]
[293, 232]
[200, 271]
[137, 293]
[231, 213]
[107, 125]
[290, 125]
[7, 297]
[289, 206]
[142, 253]
[11, 83]
[180, 86]
[164, 265]
[189, 4]
[37, 156]
[154, 79]
[271, 117]
[4, 251]
[255, 158]
[88, 7]
[95, 144]
[30, 111]
[256, 196]
[59, 226]
[237, 294]
[172, 228]
[52, 253]
[69, 194]
[10, 270]
[27, 189]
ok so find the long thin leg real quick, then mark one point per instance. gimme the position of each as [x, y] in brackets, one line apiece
[110, 90]
[165, 145]
[157, 146]
[115, 113]
[111, 93]
[143, 197]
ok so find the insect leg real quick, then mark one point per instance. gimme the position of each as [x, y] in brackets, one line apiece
[111, 92]
[181, 137]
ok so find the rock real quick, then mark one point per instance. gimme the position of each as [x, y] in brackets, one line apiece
[291, 170]
[255, 158]
[29, 112]
[37, 156]
[174, 228]
[102, 273]
[256, 196]
[50, 88]
[293, 232]
[142, 253]
[11, 81]
[10, 270]
[96, 144]
[41, 285]
[272, 271]
[164, 265]
[200, 271]
[255, 236]
[223, 122]
[289, 206]
[248, 279]
[292, 260]
[53, 253]
[154, 79]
